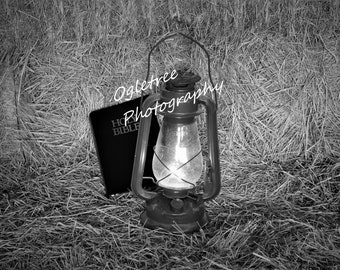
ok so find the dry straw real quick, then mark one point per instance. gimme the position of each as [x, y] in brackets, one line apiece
[278, 126]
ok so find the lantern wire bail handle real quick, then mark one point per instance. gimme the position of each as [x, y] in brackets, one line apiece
[193, 40]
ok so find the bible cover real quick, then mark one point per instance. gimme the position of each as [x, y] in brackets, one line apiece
[116, 143]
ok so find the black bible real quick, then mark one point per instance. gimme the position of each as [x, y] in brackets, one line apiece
[115, 140]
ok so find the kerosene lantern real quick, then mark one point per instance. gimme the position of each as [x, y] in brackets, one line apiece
[178, 164]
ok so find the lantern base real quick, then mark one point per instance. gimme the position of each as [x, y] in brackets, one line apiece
[175, 214]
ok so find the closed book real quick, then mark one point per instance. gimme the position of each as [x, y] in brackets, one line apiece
[115, 140]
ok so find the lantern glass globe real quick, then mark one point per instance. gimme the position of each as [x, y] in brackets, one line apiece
[178, 162]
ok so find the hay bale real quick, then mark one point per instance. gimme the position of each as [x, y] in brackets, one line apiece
[9, 137]
[16, 110]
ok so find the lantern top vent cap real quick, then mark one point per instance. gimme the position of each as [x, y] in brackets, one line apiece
[184, 77]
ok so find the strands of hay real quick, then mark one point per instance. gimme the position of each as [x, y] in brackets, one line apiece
[60, 219]
[278, 129]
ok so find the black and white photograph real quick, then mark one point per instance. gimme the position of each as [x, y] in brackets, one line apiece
[170, 134]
